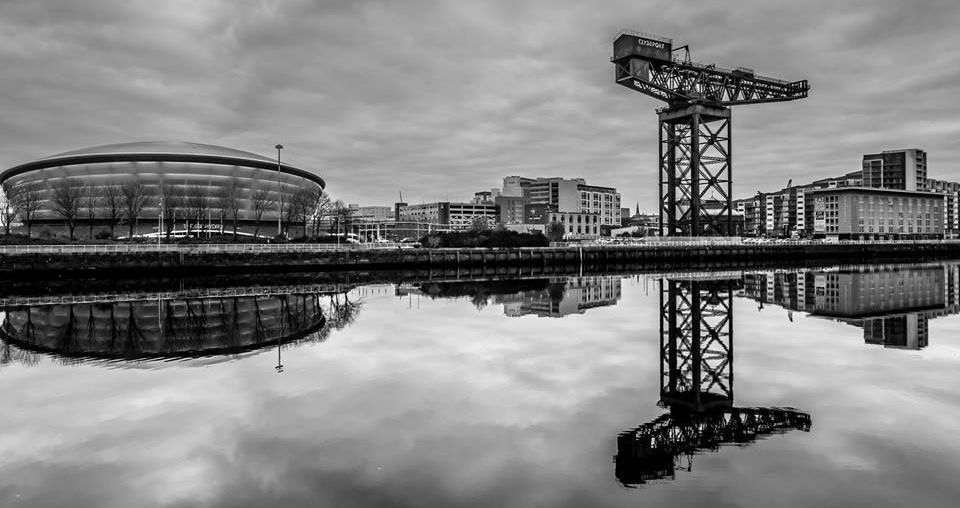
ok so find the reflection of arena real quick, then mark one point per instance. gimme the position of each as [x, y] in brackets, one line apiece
[165, 328]
[195, 180]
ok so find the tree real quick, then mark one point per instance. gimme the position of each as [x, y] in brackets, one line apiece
[112, 205]
[135, 199]
[26, 202]
[172, 205]
[8, 211]
[263, 200]
[342, 216]
[321, 211]
[91, 198]
[555, 231]
[197, 204]
[303, 205]
[479, 223]
[66, 201]
[229, 201]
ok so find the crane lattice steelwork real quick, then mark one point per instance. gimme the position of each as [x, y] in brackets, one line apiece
[696, 154]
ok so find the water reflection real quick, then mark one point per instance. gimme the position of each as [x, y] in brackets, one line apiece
[891, 303]
[388, 411]
[696, 385]
[173, 326]
[543, 297]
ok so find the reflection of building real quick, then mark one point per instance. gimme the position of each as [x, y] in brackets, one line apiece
[892, 304]
[563, 296]
[164, 328]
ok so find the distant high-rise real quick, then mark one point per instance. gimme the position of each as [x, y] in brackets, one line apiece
[896, 169]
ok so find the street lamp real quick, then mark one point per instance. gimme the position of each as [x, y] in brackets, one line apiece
[279, 193]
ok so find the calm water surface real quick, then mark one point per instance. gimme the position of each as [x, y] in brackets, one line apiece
[815, 387]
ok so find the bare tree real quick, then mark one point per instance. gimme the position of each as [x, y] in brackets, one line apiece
[135, 199]
[8, 211]
[173, 206]
[342, 216]
[66, 201]
[321, 210]
[91, 199]
[229, 201]
[26, 201]
[263, 200]
[197, 204]
[112, 197]
[302, 205]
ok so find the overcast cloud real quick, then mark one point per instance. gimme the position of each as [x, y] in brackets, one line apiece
[440, 99]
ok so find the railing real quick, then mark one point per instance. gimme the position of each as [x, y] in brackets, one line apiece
[325, 247]
[227, 248]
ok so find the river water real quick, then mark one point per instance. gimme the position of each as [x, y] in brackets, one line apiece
[835, 386]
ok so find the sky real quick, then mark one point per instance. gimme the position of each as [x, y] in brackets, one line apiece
[439, 99]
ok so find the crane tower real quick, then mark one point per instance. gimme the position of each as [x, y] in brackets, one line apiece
[696, 156]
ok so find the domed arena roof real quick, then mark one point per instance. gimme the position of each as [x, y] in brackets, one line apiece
[165, 147]
[158, 151]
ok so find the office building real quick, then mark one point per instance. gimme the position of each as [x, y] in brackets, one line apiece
[459, 216]
[873, 213]
[567, 195]
[603, 201]
[511, 209]
[372, 213]
[896, 169]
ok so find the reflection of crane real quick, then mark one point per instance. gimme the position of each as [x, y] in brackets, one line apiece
[696, 384]
[649, 452]
[695, 140]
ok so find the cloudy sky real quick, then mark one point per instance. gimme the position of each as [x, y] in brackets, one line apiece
[440, 99]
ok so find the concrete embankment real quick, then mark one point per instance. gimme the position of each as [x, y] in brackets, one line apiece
[208, 259]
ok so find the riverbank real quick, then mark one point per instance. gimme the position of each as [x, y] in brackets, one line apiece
[146, 260]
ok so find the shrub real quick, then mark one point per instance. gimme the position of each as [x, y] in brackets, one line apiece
[485, 238]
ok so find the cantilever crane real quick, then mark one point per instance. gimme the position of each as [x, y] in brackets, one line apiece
[695, 134]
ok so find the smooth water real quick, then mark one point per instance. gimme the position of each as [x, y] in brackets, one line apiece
[814, 387]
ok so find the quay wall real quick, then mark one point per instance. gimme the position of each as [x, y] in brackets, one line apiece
[207, 259]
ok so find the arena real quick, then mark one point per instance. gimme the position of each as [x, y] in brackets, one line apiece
[160, 188]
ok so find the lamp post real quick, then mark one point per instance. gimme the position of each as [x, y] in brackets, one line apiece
[279, 193]
[160, 221]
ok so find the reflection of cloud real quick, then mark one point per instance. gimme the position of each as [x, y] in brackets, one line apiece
[462, 94]
[448, 406]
